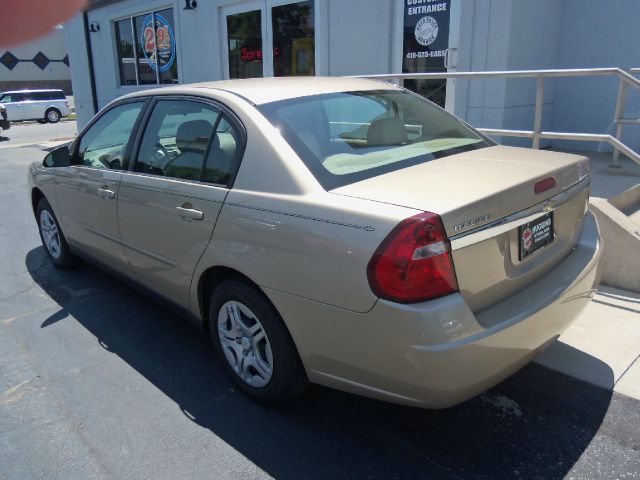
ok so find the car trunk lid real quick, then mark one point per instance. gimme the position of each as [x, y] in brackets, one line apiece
[482, 190]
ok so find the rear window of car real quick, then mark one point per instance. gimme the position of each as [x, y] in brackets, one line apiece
[347, 137]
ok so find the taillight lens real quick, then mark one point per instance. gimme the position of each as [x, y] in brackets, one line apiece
[414, 262]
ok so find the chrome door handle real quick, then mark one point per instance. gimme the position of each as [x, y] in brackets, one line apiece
[104, 192]
[187, 211]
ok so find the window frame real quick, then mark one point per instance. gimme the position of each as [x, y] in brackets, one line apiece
[130, 17]
[126, 158]
[224, 110]
[320, 25]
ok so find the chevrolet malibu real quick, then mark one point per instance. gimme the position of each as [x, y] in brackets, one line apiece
[338, 231]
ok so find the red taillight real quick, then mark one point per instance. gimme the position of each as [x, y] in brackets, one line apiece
[544, 185]
[414, 262]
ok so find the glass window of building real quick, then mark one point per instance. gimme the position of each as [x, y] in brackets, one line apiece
[271, 39]
[244, 33]
[146, 46]
[293, 39]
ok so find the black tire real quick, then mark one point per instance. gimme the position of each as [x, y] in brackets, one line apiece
[52, 115]
[288, 378]
[63, 259]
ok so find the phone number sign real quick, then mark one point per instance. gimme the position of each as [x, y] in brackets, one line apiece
[426, 35]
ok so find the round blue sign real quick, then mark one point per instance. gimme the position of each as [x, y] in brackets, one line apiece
[165, 38]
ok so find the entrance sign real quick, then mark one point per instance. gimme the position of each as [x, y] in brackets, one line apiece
[426, 35]
[424, 47]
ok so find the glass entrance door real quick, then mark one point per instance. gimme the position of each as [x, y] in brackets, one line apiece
[269, 38]
[244, 33]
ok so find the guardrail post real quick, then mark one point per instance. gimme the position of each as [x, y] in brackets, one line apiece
[621, 100]
[537, 122]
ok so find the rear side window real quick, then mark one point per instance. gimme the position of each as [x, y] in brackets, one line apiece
[53, 95]
[104, 143]
[188, 140]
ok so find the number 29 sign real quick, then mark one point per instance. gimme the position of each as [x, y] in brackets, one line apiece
[166, 43]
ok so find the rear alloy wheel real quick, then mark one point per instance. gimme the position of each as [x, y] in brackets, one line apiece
[52, 115]
[52, 238]
[253, 344]
[245, 344]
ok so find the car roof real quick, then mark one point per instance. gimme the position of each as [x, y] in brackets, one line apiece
[259, 91]
[33, 90]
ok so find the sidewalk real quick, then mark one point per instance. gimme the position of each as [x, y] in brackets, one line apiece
[602, 346]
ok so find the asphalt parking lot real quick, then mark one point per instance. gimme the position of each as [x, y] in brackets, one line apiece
[97, 381]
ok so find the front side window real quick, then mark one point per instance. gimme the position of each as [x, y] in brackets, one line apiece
[188, 140]
[146, 46]
[351, 136]
[104, 143]
[12, 97]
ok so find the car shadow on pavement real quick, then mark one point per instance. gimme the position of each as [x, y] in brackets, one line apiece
[535, 424]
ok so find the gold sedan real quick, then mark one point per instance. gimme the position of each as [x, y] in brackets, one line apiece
[339, 231]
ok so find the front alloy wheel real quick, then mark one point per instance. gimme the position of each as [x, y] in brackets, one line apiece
[50, 234]
[245, 344]
[52, 237]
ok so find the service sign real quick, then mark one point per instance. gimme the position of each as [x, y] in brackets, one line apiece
[426, 35]
[166, 42]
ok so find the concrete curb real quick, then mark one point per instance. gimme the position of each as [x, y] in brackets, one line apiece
[621, 238]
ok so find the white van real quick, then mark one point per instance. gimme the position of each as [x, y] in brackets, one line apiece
[41, 105]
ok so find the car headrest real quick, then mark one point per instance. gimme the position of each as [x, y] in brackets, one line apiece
[386, 131]
[194, 136]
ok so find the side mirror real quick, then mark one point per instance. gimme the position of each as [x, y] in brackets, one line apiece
[60, 157]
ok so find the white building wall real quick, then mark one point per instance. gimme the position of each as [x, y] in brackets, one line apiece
[74, 33]
[506, 35]
[26, 74]
[360, 36]
[596, 34]
[363, 36]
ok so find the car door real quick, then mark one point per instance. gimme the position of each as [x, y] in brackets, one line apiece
[14, 104]
[87, 190]
[169, 201]
[35, 104]
[30, 105]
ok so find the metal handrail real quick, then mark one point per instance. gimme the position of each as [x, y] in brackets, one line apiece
[625, 79]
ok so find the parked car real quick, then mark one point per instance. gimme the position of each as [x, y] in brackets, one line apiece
[344, 232]
[4, 123]
[45, 106]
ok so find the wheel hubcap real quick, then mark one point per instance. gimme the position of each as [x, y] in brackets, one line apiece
[50, 234]
[245, 344]
[52, 116]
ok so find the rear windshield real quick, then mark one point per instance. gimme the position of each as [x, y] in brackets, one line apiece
[351, 136]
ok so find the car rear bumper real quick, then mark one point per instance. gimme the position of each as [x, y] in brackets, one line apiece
[438, 353]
